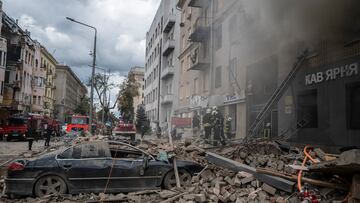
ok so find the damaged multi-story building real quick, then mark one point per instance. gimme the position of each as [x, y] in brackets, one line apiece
[162, 49]
[236, 54]
[20, 62]
[27, 72]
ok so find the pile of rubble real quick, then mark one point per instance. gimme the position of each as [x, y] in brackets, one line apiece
[264, 171]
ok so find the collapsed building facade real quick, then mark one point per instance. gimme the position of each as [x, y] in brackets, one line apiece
[236, 54]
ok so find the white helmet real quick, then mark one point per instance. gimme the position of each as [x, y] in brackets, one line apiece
[214, 108]
[229, 118]
[208, 110]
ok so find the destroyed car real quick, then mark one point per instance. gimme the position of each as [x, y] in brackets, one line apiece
[95, 167]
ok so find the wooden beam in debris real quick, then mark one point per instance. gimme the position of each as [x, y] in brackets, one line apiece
[277, 182]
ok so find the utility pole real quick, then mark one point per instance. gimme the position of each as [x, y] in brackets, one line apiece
[92, 72]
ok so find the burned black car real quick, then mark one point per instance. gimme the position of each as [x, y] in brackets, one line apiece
[95, 167]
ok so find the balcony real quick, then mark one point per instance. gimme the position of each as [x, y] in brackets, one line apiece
[201, 30]
[199, 3]
[3, 44]
[170, 22]
[167, 72]
[199, 60]
[167, 99]
[169, 47]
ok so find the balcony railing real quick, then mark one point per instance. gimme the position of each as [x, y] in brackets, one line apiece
[170, 21]
[167, 72]
[167, 99]
[169, 47]
[201, 30]
[199, 60]
[199, 3]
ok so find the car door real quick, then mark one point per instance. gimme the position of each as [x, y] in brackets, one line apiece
[129, 171]
[86, 167]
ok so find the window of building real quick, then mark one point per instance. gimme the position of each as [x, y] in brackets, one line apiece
[218, 37]
[232, 70]
[196, 86]
[307, 112]
[217, 77]
[353, 106]
[4, 59]
[1, 58]
[2, 88]
[34, 100]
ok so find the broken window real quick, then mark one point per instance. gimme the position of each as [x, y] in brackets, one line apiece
[217, 77]
[353, 106]
[125, 152]
[307, 113]
[85, 151]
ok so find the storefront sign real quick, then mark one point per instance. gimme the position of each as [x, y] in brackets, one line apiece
[198, 101]
[235, 98]
[346, 70]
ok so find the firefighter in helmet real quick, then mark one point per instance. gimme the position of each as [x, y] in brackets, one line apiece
[227, 129]
[218, 123]
[207, 123]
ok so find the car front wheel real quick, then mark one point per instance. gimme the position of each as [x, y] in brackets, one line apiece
[50, 185]
[170, 180]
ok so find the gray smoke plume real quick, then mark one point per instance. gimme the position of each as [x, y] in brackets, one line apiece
[307, 21]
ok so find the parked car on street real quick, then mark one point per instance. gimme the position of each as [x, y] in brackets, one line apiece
[92, 167]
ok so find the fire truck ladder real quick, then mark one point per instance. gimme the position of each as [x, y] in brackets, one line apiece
[278, 93]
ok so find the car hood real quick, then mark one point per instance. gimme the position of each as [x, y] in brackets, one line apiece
[191, 166]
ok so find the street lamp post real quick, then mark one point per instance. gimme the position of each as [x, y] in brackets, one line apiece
[92, 72]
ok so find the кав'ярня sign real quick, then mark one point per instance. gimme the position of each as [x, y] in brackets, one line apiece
[346, 70]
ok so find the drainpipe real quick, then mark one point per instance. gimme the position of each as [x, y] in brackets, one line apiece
[211, 49]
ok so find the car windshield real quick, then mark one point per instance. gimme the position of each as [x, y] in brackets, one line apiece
[17, 121]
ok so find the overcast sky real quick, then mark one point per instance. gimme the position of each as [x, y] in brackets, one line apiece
[121, 25]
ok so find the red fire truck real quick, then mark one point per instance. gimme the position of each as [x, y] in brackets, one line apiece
[125, 129]
[78, 123]
[16, 126]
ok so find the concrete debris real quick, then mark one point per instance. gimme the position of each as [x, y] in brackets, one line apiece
[232, 175]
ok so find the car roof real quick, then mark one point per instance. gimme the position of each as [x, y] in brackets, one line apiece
[102, 147]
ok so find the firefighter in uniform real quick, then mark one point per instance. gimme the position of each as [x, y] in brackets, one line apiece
[227, 129]
[196, 123]
[218, 123]
[207, 122]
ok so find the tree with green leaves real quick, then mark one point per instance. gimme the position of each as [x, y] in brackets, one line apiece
[142, 122]
[128, 90]
[83, 107]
